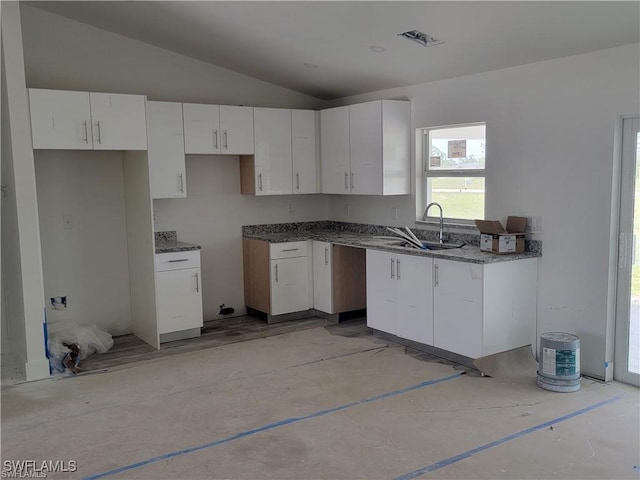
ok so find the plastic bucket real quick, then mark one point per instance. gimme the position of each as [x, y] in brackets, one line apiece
[559, 362]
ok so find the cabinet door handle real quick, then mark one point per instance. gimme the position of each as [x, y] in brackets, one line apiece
[197, 283]
[215, 139]
[260, 181]
[392, 272]
[346, 180]
[435, 274]
[297, 181]
[85, 139]
[178, 260]
[352, 182]
[224, 133]
[326, 255]
[180, 183]
[397, 269]
[276, 273]
[99, 135]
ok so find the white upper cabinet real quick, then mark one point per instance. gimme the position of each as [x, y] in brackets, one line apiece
[201, 128]
[365, 148]
[273, 164]
[334, 150]
[218, 129]
[87, 121]
[304, 150]
[285, 159]
[167, 173]
[118, 121]
[236, 124]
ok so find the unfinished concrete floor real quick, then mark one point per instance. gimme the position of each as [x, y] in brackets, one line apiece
[323, 403]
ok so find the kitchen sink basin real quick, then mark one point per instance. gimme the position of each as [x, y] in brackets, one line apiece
[395, 242]
[442, 246]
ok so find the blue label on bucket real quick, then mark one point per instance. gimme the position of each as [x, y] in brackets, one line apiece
[565, 362]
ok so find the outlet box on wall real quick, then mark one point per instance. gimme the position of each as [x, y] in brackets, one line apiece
[534, 224]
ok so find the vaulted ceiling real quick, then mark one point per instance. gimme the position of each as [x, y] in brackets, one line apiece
[335, 49]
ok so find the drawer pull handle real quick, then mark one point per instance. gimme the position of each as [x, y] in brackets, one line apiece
[180, 260]
[290, 249]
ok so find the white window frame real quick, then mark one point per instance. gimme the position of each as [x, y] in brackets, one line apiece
[423, 197]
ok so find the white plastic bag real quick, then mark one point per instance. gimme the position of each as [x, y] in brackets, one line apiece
[89, 338]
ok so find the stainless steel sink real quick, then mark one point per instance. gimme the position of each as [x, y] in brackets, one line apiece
[442, 246]
[398, 242]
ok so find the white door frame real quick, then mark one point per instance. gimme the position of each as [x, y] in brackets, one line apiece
[630, 128]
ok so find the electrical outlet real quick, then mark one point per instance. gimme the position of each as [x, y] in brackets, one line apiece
[534, 224]
[67, 221]
[292, 210]
[346, 209]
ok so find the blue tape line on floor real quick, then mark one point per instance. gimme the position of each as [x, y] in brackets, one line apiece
[469, 453]
[271, 426]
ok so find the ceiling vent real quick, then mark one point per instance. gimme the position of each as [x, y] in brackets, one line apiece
[421, 38]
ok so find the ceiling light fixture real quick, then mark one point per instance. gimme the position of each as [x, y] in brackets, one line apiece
[311, 65]
[376, 48]
[421, 38]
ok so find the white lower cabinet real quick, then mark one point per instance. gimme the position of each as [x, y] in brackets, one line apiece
[457, 307]
[289, 277]
[289, 285]
[178, 292]
[399, 295]
[482, 309]
[466, 308]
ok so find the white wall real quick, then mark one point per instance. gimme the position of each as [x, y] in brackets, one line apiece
[64, 54]
[550, 152]
[87, 262]
[20, 235]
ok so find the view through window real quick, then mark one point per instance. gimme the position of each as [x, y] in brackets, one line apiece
[454, 169]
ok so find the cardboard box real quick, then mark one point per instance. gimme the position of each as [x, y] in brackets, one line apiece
[495, 238]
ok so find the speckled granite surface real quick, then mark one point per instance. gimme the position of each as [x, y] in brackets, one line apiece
[167, 242]
[367, 236]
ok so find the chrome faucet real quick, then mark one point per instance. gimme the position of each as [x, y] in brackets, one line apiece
[426, 214]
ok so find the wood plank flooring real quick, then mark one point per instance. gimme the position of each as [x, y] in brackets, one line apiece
[129, 348]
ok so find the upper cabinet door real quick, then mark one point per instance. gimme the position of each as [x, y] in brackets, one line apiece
[236, 124]
[118, 121]
[202, 133]
[304, 151]
[334, 150]
[272, 151]
[365, 144]
[60, 119]
[167, 173]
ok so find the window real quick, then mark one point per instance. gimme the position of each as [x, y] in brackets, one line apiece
[454, 170]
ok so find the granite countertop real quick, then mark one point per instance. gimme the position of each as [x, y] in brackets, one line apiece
[467, 253]
[167, 242]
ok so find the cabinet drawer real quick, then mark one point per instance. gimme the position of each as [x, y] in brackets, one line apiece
[177, 260]
[287, 250]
